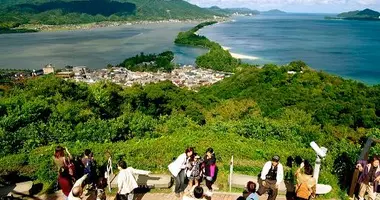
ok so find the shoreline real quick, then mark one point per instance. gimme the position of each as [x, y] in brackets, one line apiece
[240, 56]
[105, 24]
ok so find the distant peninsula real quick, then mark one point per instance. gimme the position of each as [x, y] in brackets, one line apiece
[366, 14]
[274, 11]
[233, 11]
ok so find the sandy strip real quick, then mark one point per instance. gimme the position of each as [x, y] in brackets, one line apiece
[240, 56]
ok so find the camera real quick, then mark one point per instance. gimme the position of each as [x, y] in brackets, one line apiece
[321, 151]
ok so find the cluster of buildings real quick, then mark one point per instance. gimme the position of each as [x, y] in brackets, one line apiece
[185, 76]
[89, 26]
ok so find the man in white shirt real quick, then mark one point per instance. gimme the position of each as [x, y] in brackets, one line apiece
[77, 190]
[126, 182]
[271, 177]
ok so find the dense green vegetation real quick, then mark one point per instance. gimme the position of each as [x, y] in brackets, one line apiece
[366, 14]
[217, 58]
[252, 115]
[150, 62]
[88, 11]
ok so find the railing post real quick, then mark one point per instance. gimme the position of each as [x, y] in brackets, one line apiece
[109, 173]
[231, 172]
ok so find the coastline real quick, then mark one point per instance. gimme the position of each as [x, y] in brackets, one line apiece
[240, 56]
[104, 24]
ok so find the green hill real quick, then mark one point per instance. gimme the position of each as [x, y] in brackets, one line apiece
[366, 14]
[230, 11]
[15, 12]
[273, 12]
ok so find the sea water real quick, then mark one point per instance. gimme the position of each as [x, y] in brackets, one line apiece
[342, 47]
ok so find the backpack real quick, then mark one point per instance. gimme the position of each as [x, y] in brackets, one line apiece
[303, 191]
[88, 167]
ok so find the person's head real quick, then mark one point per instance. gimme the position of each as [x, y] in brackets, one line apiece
[196, 157]
[101, 183]
[308, 170]
[209, 152]
[189, 151]
[306, 163]
[375, 161]
[122, 164]
[298, 160]
[289, 161]
[198, 192]
[87, 152]
[275, 160]
[251, 187]
[59, 152]
[77, 191]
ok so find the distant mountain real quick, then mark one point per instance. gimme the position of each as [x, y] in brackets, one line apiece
[231, 11]
[366, 14]
[86, 11]
[274, 11]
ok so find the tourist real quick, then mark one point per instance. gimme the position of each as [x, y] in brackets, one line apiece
[271, 177]
[77, 190]
[126, 181]
[100, 188]
[194, 170]
[60, 159]
[177, 169]
[89, 167]
[306, 184]
[289, 179]
[65, 181]
[369, 177]
[210, 168]
[251, 188]
[196, 193]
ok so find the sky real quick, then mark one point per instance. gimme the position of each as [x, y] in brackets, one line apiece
[303, 6]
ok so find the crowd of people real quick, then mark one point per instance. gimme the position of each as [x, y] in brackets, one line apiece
[271, 177]
[77, 174]
[369, 178]
[190, 166]
[189, 170]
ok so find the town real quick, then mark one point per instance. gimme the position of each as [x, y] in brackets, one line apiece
[186, 76]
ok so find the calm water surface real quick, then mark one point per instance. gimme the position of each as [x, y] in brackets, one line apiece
[93, 48]
[347, 48]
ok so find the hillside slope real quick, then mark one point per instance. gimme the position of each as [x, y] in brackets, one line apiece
[364, 14]
[85, 11]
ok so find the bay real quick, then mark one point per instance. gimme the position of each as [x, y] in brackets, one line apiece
[347, 48]
[93, 48]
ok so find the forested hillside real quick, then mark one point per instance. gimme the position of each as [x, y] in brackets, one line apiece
[217, 58]
[252, 115]
[16, 12]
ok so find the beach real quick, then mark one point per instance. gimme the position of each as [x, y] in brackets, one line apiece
[240, 56]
